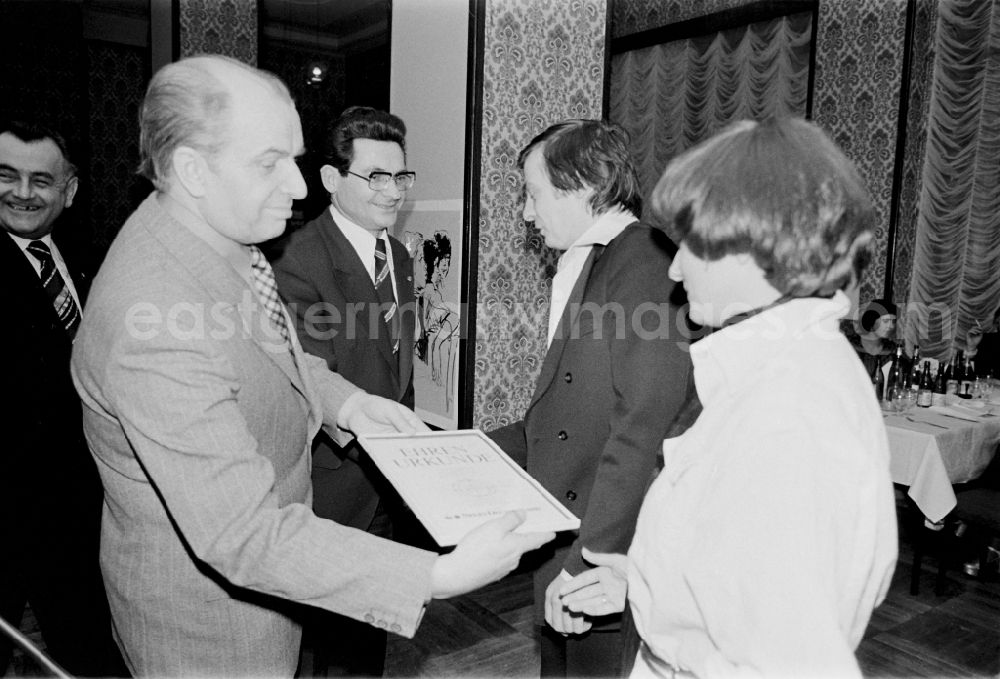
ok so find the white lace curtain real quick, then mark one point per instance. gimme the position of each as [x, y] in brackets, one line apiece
[672, 95]
[956, 263]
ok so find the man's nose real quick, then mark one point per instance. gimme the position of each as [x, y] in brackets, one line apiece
[23, 188]
[674, 272]
[529, 210]
[391, 190]
[296, 184]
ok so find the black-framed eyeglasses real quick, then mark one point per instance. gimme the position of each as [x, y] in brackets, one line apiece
[377, 181]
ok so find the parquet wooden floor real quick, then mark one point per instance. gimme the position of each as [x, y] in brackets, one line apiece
[489, 633]
[956, 634]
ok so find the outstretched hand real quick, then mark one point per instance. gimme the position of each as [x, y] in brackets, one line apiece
[489, 552]
[365, 413]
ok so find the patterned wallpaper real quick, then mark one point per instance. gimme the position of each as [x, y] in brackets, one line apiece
[543, 62]
[117, 80]
[219, 27]
[859, 61]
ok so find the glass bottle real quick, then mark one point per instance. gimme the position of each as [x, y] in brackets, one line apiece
[914, 377]
[940, 385]
[956, 374]
[896, 377]
[968, 379]
[926, 387]
[878, 380]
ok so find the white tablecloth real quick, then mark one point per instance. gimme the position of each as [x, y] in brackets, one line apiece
[930, 454]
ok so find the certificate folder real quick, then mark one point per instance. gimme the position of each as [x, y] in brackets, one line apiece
[455, 480]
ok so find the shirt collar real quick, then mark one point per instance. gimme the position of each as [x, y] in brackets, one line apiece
[353, 231]
[732, 355]
[606, 228]
[23, 243]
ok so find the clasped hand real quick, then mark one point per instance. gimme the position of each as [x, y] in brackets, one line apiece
[569, 604]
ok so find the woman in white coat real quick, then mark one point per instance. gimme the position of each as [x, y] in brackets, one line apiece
[770, 535]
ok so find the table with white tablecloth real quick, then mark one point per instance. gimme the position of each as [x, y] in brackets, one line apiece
[933, 448]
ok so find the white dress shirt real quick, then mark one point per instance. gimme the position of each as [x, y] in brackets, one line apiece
[23, 243]
[363, 242]
[603, 231]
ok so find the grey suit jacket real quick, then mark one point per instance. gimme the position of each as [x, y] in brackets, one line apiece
[201, 430]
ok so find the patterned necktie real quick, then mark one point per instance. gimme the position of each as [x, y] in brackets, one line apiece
[386, 296]
[56, 288]
[267, 289]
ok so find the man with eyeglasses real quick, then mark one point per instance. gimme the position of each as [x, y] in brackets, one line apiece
[349, 285]
[50, 492]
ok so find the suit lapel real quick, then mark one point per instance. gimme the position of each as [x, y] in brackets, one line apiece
[566, 324]
[25, 283]
[223, 284]
[408, 313]
[74, 264]
[15, 264]
[354, 281]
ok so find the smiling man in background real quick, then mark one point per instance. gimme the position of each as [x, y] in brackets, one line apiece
[50, 493]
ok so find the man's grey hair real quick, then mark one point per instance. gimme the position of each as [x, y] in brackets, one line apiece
[187, 104]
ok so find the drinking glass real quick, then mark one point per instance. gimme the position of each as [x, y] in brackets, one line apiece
[903, 399]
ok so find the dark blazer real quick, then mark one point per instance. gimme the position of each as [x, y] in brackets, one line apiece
[333, 301]
[605, 398]
[50, 491]
[45, 465]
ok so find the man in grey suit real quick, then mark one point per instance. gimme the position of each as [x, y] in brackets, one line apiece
[200, 406]
[615, 376]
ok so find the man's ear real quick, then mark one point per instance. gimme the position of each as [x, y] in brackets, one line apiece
[331, 178]
[190, 170]
[72, 184]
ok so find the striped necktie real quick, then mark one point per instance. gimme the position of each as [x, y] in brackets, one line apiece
[56, 288]
[386, 296]
[267, 290]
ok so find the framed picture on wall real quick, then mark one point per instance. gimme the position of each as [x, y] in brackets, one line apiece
[432, 232]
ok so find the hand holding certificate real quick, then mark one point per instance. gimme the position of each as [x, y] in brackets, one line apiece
[453, 481]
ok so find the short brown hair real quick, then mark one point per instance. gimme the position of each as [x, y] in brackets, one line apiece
[779, 190]
[582, 154]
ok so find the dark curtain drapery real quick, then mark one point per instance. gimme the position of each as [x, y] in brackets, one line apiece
[672, 95]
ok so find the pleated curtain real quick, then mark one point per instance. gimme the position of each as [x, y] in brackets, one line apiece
[956, 264]
[672, 95]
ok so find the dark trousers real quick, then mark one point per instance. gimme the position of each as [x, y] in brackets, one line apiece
[593, 654]
[342, 646]
[66, 594]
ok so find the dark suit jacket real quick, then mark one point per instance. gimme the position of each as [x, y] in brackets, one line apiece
[333, 301]
[605, 398]
[47, 476]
